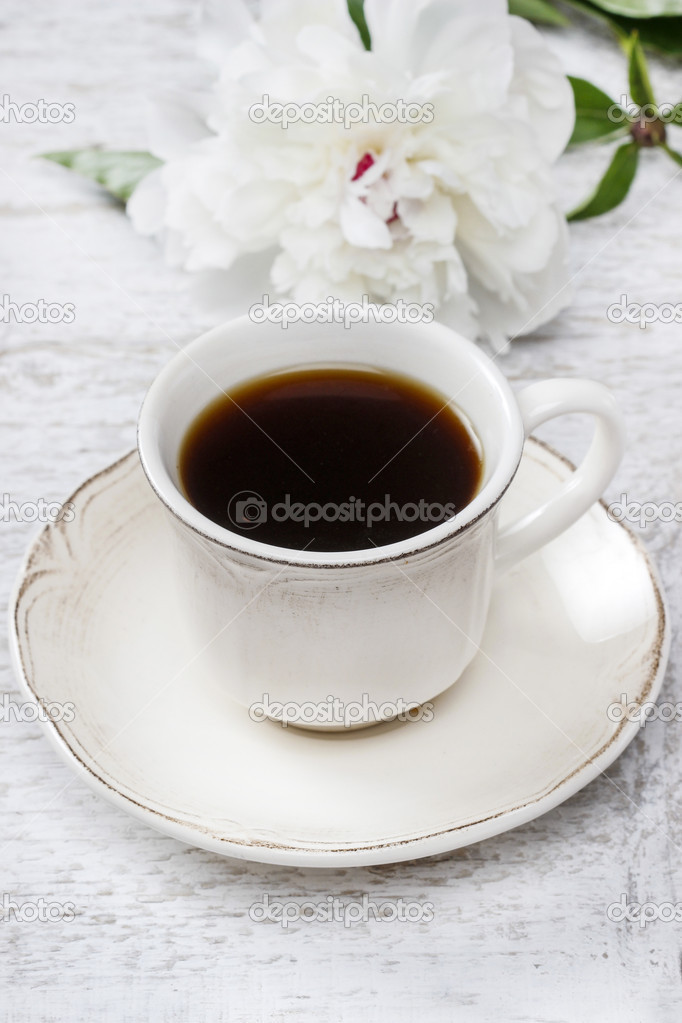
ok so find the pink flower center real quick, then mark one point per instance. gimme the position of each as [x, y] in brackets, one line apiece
[364, 163]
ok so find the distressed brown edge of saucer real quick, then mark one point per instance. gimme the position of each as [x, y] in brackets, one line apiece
[28, 575]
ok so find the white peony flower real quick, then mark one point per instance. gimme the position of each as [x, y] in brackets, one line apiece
[458, 210]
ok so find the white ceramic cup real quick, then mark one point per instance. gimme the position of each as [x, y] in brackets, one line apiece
[329, 639]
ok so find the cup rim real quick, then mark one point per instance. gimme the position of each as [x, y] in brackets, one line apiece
[478, 508]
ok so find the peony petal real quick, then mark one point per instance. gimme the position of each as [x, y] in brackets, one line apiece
[325, 46]
[362, 227]
[316, 287]
[539, 78]
[204, 243]
[460, 314]
[500, 263]
[283, 20]
[255, 213]
[391, 25]
[226, 294]
[478, 73]
[543, 294]
[381, 199]
[431, 220]
[298, 83]
[402, 30]
[305, 248]
[176, 122]
[411, 180]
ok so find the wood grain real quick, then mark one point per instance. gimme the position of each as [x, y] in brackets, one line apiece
[162, 932]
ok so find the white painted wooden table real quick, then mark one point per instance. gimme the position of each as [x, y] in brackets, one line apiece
[162, 932]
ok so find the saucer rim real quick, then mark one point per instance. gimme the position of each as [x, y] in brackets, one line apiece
[324, 854]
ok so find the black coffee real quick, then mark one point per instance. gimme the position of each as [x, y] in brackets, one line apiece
[330, 459]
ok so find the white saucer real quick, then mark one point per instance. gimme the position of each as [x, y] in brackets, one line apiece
[96, 623]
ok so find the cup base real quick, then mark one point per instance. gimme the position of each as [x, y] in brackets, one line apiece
[339, 728]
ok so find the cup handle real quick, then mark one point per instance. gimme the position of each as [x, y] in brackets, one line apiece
[547, 400]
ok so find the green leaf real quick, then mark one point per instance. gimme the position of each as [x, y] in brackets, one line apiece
[356, 9]
[613, 187]
[673, 154]
[662, 34]
[539, 11]
[592, 109]
[641, 8]
[638, 73]
[118, 172]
